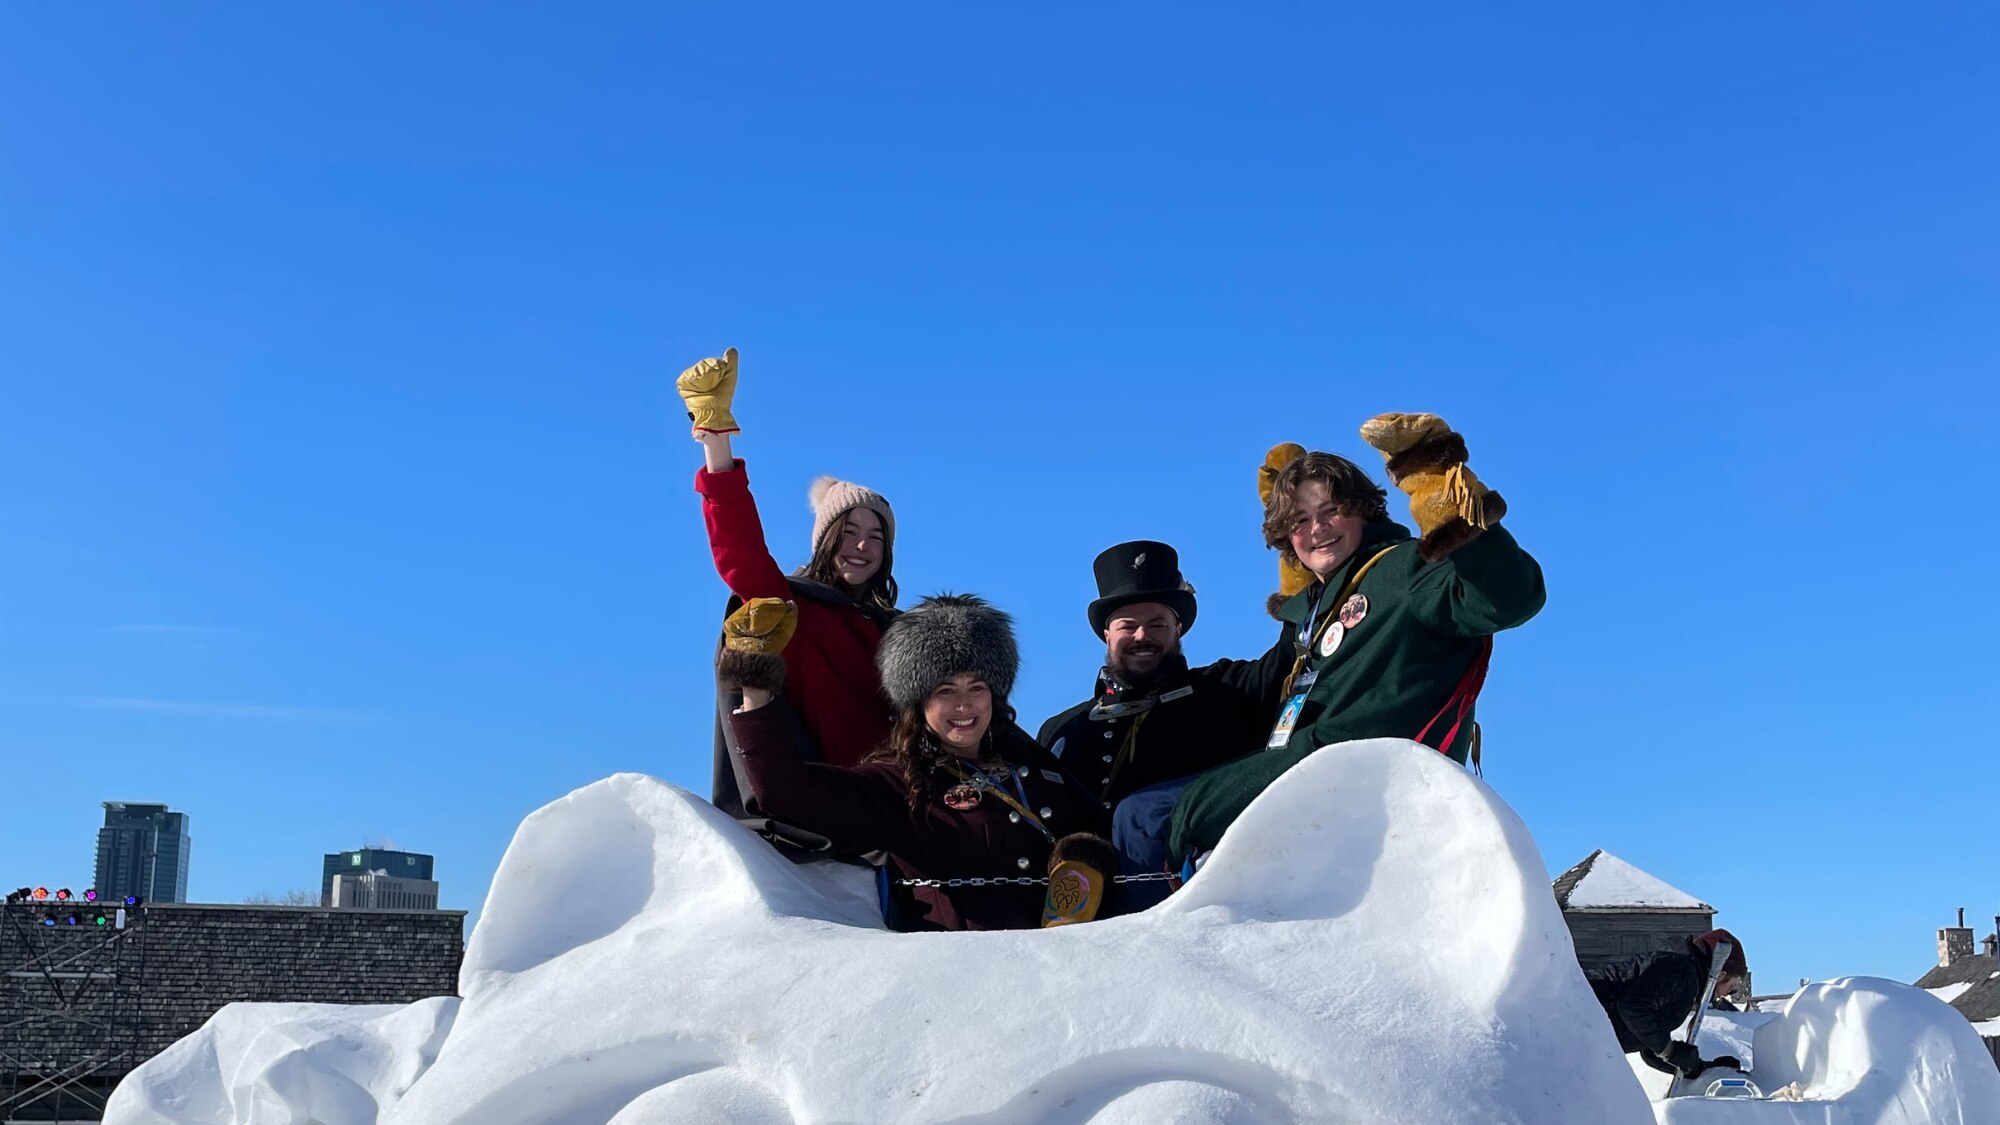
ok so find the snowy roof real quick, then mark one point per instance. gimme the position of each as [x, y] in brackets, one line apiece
[1970, 984]
[1605, 882]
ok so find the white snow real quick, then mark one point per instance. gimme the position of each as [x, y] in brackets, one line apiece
[1858, 1051]
[1950, 992]
[1374, 942]
[1612, 882]
[283, 1063]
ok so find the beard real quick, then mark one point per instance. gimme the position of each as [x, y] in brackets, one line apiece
[1139, 666]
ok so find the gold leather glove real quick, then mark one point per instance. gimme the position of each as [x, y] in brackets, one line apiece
[1426, 459]
[708, 388]
[761, 625]
[1292, 575]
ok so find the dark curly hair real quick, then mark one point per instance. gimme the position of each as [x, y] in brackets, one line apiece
[1353, 492]
[913, 748]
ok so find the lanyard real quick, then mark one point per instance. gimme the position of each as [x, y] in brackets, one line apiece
[1310, 632]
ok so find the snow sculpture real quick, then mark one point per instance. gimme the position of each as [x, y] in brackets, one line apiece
[1375, 941]
[1857, 1051]
[287, 1064]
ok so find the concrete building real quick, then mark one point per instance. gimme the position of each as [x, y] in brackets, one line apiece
[378, 890]
[361, 861]
[142, 851]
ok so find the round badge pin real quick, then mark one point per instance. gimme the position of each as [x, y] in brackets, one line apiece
[961, 798]
[1353, 610]
[1330, 639]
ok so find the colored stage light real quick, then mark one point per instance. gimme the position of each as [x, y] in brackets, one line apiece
[90, 895]
[41, 893]
[72, 919]
[100, 919]
[48, 921]
[63, 895]
[131, 900]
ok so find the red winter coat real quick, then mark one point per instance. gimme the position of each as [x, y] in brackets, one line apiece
[866, 807]
[830, 675]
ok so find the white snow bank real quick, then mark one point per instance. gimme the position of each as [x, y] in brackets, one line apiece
[1861, 1051]
[1612, 882]
[1374, 941]
[286, 1064]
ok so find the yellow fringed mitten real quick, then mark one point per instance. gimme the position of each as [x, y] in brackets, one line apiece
[1426, 459]
[708, 388]
[1292, 575]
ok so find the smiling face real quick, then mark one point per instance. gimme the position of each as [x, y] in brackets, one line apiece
[1139, 639]
[958, 711]
[1321, 537]
[862, 543]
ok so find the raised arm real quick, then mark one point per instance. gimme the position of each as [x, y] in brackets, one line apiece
[735, 533]
[1474, 579]
[861, 808]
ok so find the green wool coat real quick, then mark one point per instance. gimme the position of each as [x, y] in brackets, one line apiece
[1393, 669]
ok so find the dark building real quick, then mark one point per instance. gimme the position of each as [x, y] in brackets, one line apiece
[1966, 980]
[142, 850]
[1614, 910]
[82, 1004]
[396, 865]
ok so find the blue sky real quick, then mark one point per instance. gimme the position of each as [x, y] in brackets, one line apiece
[344, 494]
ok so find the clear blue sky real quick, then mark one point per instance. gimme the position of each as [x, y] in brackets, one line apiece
[344, 494]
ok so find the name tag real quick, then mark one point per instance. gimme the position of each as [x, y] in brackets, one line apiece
[1177, 693]
[1288, 717]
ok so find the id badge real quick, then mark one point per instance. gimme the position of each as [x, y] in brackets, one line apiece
[1288, 718]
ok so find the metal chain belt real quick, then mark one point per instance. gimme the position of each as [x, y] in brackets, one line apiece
[1024, 880]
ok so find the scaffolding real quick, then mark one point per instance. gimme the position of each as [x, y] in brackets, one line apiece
[70, 1007]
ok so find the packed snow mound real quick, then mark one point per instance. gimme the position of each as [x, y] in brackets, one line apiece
[1858, 1051]
[1373, 942]
[279, 1064]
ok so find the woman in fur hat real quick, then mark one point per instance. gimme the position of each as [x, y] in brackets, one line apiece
[846, 593]
[956, 791]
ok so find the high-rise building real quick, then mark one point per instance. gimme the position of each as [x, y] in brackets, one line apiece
[376, 891]
[143, 850]
[361, 861]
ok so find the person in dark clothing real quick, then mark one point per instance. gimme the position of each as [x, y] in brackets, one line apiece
[1649, 996]
[956, 792]
[1152, 722]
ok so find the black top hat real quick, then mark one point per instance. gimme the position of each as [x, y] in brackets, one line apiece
[1140, 571]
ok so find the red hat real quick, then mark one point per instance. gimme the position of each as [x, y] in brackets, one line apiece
[1735, 965]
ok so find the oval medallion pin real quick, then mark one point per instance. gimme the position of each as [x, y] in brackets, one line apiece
[1330, 639]
[1353, 610]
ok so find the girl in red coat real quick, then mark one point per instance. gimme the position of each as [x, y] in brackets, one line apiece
[846, 595]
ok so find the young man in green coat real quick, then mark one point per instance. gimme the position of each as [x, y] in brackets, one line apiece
[1393, 633]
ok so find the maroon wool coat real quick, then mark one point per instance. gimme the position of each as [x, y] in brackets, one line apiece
[866, 808]
[830, 663]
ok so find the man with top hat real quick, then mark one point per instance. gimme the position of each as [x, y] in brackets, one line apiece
[1152, 722]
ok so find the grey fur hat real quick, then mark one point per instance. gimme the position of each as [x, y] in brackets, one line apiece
[940, 637]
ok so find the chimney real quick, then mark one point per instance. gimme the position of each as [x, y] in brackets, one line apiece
[1955, 942]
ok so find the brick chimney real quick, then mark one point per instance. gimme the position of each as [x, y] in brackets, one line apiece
[1955, 942]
